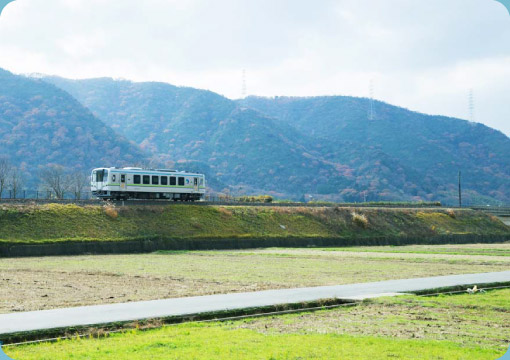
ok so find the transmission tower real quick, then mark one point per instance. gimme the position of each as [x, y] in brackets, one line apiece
[371, 111]
[244, 89]
[471, 104]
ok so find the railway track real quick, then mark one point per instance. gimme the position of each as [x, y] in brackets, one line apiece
[493, 210]
[205, 203]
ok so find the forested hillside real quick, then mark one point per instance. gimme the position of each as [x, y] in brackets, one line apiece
[324, 147]
[434, 148]
[41, 124]
[242, 147]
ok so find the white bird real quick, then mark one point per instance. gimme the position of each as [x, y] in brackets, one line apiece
[3, 4]
[473, 290]
[506, 3]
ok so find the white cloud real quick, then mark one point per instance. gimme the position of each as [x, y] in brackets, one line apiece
[424, 55]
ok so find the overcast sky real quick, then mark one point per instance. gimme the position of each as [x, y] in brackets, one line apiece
[423, 55]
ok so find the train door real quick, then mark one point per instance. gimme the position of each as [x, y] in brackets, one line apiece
[195, 184]
[123, 182]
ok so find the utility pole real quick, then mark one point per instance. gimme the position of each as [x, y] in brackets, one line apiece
[460, 189]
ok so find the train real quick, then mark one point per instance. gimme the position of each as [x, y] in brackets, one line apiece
[150, 184]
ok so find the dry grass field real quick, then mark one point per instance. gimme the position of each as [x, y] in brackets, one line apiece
[43, 283]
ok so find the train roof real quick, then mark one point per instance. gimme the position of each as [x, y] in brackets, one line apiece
[138, 169]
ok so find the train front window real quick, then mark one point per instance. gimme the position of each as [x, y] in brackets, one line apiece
[100, 176]
[105, 175]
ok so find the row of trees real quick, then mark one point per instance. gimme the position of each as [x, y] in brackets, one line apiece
[55, 178]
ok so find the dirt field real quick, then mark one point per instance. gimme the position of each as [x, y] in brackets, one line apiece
[43, 283]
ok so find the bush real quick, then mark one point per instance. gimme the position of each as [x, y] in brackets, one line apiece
[451, 213]
[360, 220]
[111, 211]
[256, 199]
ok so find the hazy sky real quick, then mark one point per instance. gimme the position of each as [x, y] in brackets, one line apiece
[423, 55]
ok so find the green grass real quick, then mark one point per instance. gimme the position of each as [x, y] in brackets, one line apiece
[409, 327]
[471, 321]
[217, 342]
[54, 223]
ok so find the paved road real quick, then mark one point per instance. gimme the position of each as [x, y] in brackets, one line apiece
[102, 314]
[506, 220]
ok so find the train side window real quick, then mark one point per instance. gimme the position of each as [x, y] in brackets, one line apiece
[201, 182]
[173, 180]
[113, 178]
[123, 178]
[181, 181]
[146, 180]
[155, 180]
[136, 179]
[195, 181]
[164, 180]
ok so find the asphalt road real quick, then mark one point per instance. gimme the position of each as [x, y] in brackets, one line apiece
[103, 314]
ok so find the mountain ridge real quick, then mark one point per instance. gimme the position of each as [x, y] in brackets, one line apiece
[322, 146]
[41, 124]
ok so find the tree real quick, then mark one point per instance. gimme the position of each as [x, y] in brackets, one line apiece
[5, 169]
[78, 181]
[16, 181]
[56, 179]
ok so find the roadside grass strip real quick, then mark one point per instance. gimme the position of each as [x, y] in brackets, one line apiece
[217, 341]
[407, 327]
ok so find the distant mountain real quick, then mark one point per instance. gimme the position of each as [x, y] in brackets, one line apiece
[435, 148]
[242, 147]
[324, 147]
[41, 124]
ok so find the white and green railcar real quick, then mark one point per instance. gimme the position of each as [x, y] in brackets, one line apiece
[136, 183]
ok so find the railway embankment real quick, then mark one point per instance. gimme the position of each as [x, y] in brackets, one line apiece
[53, 229]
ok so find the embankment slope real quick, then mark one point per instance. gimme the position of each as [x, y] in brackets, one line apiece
[68, 229]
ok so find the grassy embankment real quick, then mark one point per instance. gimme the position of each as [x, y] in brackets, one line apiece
[57, 223]
[409, 327]
[40, 283]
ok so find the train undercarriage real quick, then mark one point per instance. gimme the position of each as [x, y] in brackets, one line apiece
[117, 195]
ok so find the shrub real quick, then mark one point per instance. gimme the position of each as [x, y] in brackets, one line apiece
[224, 211]
[451, 213]
[360, 220]
[111, 211]
[256, 199]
